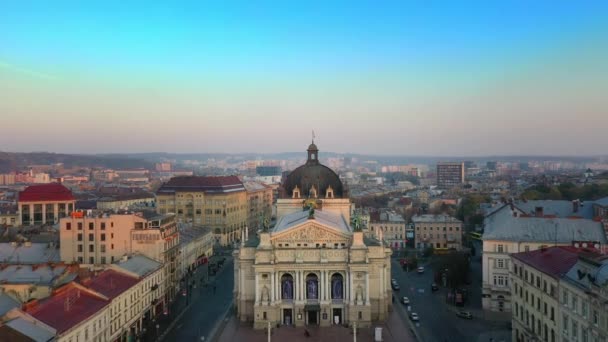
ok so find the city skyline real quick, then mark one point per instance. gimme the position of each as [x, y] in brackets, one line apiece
[401, 79]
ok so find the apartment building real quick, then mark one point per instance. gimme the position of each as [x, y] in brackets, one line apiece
[103, 238]
[515, 228]
[45, 203]
[216, 202]
[389, 227]
[450, 174]
[437, 231]
[584, 300]
[559, 295]
[73, 313]
[259, 201]
[535, 278]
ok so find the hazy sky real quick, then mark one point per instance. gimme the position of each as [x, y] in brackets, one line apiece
[378, 77]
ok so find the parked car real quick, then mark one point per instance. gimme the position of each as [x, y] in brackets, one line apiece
[414, 317]
[405, 301]
[395, 287]
[464, 314]
[434, 287]
[420, 270]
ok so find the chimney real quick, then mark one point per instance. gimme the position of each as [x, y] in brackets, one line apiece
[538, 212]
[575, 205]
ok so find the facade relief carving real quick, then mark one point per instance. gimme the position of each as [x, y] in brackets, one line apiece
[312, 234]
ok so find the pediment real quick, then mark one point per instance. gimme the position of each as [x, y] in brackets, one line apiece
[311, 232]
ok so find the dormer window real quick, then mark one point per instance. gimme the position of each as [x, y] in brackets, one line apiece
[329, 193]
[296, 193]
[313, 192]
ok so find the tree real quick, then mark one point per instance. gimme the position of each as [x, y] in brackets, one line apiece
[454, 266]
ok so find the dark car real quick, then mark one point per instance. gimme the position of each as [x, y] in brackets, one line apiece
[395, 287]
[464, 314]
[434, 287]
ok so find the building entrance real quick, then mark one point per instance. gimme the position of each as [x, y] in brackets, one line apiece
[337, 316]
[287, 317]
[312, 317]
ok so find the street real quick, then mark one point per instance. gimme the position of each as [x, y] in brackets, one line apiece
[207, 307]
[438, 320]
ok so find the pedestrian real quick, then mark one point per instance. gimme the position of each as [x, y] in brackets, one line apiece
[213, 289]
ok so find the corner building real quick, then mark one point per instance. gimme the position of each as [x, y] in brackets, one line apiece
[312, 268]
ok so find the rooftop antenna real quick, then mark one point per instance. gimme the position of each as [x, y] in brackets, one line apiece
[313, 136]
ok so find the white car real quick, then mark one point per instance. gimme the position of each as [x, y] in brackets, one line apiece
[420, 269]
[405, 301]
[414, 317]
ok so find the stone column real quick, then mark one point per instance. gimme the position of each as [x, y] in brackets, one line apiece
[328, 285]
[56, 211]
[43, 213]
[367, 288]
[31, 214]
[322, 289]
[296, 286]
[272, 287]
[257, 289]
[350, 285]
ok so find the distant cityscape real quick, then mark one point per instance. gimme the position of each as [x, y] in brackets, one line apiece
[92, 236]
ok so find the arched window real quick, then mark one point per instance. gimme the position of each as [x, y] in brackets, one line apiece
[287, 289]
[312, 286]
[337, 286]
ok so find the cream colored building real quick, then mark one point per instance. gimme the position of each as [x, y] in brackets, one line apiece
[312, 268]
[259, 201]
[437, 231]
[390, 229]
[584, 300]
[104, 238]
[196, 245]
[510, 229]
[535, 278]
[312, 271]
[216, 202]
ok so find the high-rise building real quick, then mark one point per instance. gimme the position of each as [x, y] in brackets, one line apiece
[450, 174]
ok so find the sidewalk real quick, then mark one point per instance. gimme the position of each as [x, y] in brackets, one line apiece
[393, 330]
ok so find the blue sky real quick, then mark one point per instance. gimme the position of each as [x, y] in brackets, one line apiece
[399, 75]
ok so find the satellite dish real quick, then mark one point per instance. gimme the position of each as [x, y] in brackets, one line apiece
[584, 245]
[576, 244]
[597, 246]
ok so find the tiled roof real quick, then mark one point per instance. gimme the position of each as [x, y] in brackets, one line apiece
[554, 261]
[67, 307]
[34, 332]
[46, 192]
[110, 283]
[217, 184]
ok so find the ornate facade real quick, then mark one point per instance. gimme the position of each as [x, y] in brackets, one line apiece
[312, 268]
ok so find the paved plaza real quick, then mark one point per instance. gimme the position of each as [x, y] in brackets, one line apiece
[393, 330]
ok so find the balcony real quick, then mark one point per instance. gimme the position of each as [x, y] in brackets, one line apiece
[154, 287]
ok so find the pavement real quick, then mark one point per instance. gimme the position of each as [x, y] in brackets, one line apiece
[438, 320]
[196, 316]
[393, 330]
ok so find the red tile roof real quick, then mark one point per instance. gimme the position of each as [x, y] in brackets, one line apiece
[46, 192]
[67, 307]
[554, 261]
[110, 283]
[200, 183]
